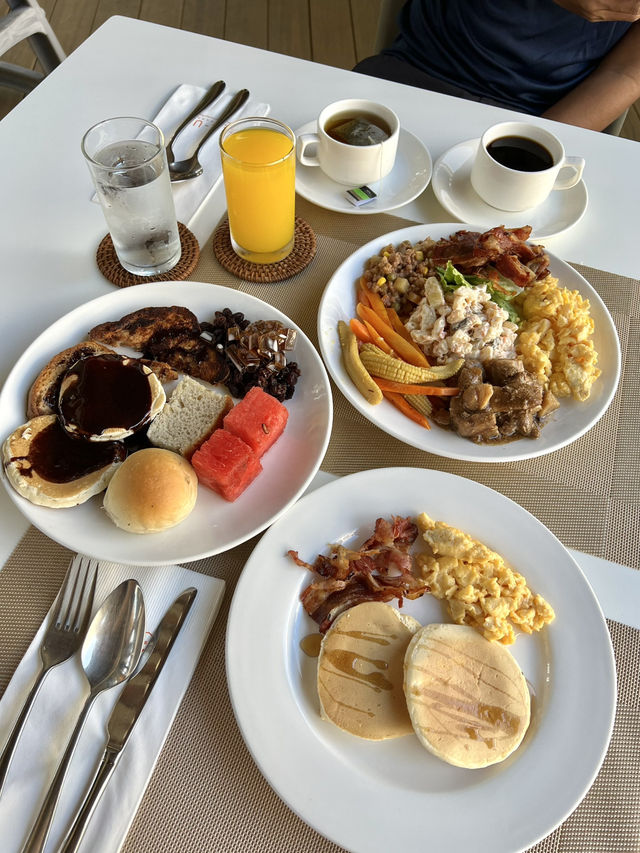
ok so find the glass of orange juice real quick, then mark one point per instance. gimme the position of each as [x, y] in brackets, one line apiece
[258, 164]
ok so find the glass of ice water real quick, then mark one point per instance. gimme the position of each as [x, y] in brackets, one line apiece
[128, 163]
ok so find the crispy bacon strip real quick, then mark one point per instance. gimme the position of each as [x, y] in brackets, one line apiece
[381, 570]
[498, 251]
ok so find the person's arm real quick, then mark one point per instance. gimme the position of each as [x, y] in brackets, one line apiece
[608, 91]
[603, 10]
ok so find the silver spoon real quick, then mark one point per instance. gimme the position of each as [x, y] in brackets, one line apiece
[110, 653]
[208, 98]
[182, 170]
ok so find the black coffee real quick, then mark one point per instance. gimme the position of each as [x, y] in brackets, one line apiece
[358, 129]
[520, 153]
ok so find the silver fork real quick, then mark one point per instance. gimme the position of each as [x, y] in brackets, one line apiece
[62, 638]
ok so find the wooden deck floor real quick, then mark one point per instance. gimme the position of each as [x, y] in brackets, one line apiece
[333, 32]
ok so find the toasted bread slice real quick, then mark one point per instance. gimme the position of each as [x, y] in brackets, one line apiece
[138, 328]
[43, 395]
[170, 335]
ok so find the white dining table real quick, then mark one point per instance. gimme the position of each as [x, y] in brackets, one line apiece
[49, 229]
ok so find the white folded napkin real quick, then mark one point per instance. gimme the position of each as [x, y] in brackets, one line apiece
[60, 700]
[190, 195]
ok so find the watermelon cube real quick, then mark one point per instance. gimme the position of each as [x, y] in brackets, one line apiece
[226, 464]
[258, 420]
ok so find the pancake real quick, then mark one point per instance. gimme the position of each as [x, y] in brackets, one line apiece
[109, 397]
[49, 468]
[360, 671]
[467, 698]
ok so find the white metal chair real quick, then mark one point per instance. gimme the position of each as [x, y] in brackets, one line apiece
[27, 20]
[387, 28]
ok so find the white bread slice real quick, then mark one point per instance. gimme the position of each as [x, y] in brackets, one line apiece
[189, 417]
[77, 469]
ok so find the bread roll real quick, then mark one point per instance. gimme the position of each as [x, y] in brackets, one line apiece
[467, 698]
[156, 490]
[49, 468]
[360, 671]
[190, 416]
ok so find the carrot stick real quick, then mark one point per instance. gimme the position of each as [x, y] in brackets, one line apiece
[377, 339]
[363, 296]
[401, 329]
[404, 388]
[376, 303]
[360, 331]
[400, 403]
[404, 349]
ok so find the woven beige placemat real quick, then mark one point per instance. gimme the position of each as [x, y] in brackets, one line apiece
[206, 794]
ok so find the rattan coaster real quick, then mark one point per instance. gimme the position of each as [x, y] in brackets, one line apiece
[303, 252]
[110, 267]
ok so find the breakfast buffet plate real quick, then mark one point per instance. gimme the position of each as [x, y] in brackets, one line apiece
[215, 525]
[564, 426]
[372, 797]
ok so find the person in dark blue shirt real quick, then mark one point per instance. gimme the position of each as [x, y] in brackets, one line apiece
[576, 61]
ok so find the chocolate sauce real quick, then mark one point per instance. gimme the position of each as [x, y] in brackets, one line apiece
[105, 392]
[58, 458]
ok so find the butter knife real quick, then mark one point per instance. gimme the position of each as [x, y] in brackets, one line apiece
[127, 710]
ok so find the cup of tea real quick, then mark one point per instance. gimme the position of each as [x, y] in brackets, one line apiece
[517, 165]
[356, 142]
[259, 168]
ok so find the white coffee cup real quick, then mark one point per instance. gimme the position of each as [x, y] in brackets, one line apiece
[352, 165]
[513, 187]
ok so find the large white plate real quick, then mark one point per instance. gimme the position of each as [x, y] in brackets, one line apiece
[565, 425]
[409, 177]
[394, 795]
[215, 525]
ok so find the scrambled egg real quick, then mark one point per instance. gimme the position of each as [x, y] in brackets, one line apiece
[554, 342]
[480, 588]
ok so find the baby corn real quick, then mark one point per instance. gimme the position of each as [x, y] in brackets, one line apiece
[378, 363]
[354, 367]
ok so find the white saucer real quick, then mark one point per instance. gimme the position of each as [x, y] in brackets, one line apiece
[409, 177]
[452, 186]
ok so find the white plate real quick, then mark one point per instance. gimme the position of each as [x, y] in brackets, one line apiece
[409, 177]
[452, 185]
[215, 525]
[567, 424]
[394, 795]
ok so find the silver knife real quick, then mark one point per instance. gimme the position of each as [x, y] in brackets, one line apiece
[127, 710]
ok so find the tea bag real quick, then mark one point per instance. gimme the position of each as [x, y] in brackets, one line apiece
[358, 131]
